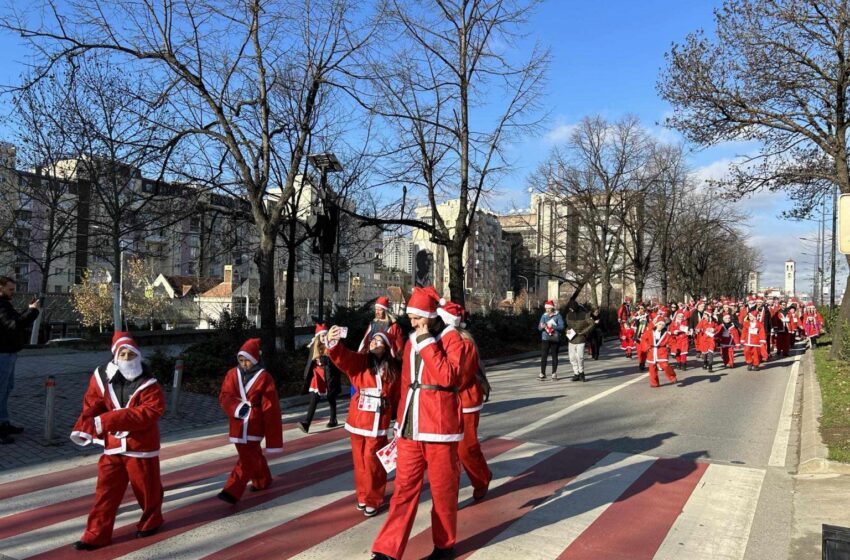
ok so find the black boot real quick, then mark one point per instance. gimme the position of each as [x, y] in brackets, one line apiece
[442, 554]
[583, 378]
[684, 366]
[576, 377]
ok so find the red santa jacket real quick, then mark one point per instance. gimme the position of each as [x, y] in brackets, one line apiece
[429, 394]
[471, 390]
[753, 333]
[793, 322]
[657, 345]
[728, 336]
[263, 419]
[131, 430]
[812, 323]
[370, 412]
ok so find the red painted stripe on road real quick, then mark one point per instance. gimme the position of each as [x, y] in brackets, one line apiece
[37, 518]
[75, 474]
[296, 536]
[634, 526]
[187, 518]
[480, 522]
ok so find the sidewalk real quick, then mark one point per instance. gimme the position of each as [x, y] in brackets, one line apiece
[821, 487]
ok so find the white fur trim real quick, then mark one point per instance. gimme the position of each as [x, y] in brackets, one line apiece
[81, 438]
[98, 425]
[420, 436]
[142, 454]
[384, 307]
[361, 432]
[424, 343]
[274, 449]
[421, 312]
[448, 318]
[472, 409]
[247, 356]
[442, 301]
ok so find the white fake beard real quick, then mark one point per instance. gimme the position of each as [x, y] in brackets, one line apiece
[130, 369]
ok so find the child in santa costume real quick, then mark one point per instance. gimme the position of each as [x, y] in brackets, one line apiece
[472, 392]
[640, 321]
[728, 338]
[376, 374]
[812, 324]
[795, 325]
[430, 427]
[658, 344]
[121, 411]
[679, 331]
[754, 340]
[706, 330]
[321, 380]
[249, 398]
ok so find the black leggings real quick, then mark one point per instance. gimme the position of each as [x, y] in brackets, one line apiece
[595, 345]
[547, 347]
[314, 402]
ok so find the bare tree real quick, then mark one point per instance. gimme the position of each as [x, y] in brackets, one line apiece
[248, 76]
[448, 55]
[777, 71]
[599, 172]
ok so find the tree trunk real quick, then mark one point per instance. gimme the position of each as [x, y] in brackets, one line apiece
[289, 297]
[843, 178]
[456, 272]
[268, 311]
[605, 281]
[639, 285]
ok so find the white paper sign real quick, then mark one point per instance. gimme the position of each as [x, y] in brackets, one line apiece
[570, 334]
[388, 455]
[683, 328]
[709, 332]
[369, 400]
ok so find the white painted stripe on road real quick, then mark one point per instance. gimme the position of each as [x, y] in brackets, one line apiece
[552, 526]
[504, 467]
[516, 434]
[779, 451]
[63, 533]
[716, 520]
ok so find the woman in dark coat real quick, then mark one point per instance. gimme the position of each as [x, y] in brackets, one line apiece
[321, 379]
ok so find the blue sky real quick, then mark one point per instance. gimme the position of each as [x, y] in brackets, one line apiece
[606, 56]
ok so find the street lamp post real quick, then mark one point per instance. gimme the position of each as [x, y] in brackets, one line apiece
[527, 294]
[325, 163]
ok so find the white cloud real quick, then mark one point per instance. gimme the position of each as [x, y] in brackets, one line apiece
[560, 133]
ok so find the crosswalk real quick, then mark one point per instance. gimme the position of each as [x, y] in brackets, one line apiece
[544, 502]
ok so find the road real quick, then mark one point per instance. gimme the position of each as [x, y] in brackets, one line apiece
[608, 469]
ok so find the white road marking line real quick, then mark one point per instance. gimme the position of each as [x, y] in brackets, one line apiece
[716, 520]
[552, 526]
[779, 450]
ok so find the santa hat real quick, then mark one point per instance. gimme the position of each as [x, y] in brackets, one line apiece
[388, 341]
[423, 302]
[320, 330]
[452, 314]
[122, 339]
[250, 350]
[383, 302]
[549, 303]
[660, 319]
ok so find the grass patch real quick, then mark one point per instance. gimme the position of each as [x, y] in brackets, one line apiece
[834, 378]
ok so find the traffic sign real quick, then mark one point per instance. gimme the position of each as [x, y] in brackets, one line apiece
[844, 224]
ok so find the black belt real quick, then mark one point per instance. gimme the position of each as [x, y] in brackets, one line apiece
[416, 385]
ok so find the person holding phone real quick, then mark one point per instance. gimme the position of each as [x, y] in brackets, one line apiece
[551, 327]
[321, 379]
[13, 326]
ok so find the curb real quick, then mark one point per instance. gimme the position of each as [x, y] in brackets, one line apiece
[814, 454]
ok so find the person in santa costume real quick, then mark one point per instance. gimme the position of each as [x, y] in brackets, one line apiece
[679, 331]
[706, 330]
[249, 399]
[430, 427]
[782, 330]
[472, 393]
[640, 321]
[812, 324]
[795, 325]
[384, 321]
[658, 344]
[321, 380]
[627, 332]
[121, 411]
[376, 374]
[728, 338]
[754, 340]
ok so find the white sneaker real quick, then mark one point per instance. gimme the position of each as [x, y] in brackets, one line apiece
[541, 377]
[554, 377]
[370, 511]
[360, 507]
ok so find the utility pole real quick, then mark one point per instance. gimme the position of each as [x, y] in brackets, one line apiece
[832, 253]
[823, 247]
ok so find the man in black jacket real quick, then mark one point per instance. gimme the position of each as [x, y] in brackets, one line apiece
[13, 326]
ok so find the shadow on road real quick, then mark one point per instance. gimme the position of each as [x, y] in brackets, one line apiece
[691, 379]
[507, 406]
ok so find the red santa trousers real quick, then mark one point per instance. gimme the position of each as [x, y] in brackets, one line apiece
[752, 355]
[471, 457]
[443, 466]
[370, 478]
[783, 343]
[681, 346]
[251, 466]
[727, 354]
[642, 355]
[113, 474]
[653, 373]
